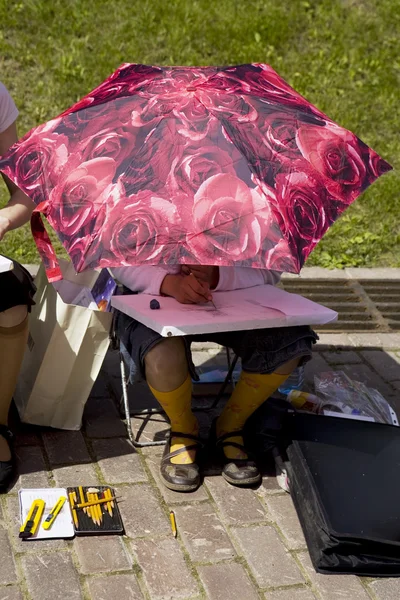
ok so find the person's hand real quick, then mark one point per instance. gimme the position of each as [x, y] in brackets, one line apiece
[206, 274]
[187, 289]
[4, 226]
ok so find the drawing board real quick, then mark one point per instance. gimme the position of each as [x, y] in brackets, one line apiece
[259, 307]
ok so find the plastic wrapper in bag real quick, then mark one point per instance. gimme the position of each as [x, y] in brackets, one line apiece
[342, 394]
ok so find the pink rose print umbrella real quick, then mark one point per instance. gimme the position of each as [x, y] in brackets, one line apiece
[207, 165]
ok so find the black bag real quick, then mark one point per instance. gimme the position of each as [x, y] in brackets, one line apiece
[345, 484]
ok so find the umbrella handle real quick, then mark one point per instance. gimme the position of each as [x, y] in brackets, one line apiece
[45, 247]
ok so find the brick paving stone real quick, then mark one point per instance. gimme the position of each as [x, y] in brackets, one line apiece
[198, 346]
[341, 357]
[124, 587]
[25, 437]
[12, 510]
[31, 468]
[302, 593]
[269, 561]
[227, 581]
[291, 594]
[50, 576]
[164, 569]
[284, 514]
[65, 447]
[269, 486]
[341, 340]
[203, 533]
[106, 554]
[74, 475]
[118, 461]
[386, 589]
[150, 428]
[376, 340]
[215, 357]
[10, 593]
[366, 375]
[7, 565]
[236, 505]
[153, 458]
[386, 363]
[101, 419]
[141, 511]
[334, 587]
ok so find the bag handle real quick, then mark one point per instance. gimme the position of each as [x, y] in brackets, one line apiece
[44, 245]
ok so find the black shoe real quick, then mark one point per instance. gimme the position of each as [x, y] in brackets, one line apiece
[7, 467]
[180, 478]
[236, 471]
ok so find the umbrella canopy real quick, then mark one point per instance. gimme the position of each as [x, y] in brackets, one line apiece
[207, 165]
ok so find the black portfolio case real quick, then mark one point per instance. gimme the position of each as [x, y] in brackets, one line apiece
[345, 484]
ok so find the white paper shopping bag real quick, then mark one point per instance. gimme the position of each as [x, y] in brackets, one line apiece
[66, 348]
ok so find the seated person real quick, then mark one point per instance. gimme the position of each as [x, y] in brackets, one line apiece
[16, 295]
[268, 356]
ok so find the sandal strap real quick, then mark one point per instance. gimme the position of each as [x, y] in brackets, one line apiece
[180, 451]
[189, 436]
[196, 446]
[223, 442]
[233, 445]
[229, 434]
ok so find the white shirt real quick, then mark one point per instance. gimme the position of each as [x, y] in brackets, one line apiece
[148, 279]
[8, 110]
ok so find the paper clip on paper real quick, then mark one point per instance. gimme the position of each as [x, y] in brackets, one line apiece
[51, 517]
[32, 520]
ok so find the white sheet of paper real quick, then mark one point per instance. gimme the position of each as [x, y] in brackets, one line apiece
[5, 264]
[258, 307]
[62, 526]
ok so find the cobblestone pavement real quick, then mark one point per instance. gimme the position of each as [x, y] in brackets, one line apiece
[232, 543]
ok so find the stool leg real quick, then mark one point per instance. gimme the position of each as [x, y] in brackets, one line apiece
[131, 437]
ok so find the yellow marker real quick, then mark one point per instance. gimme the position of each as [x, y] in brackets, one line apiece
[33, 519]
[53, 514]
[173, 523]
[72, 498]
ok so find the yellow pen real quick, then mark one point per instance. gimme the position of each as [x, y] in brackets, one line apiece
[173, 523]
[33, 519]
[54, 512]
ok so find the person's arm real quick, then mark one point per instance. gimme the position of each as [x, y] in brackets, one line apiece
[236, 278]
[19, 209]
[163, 280]
[145, 279]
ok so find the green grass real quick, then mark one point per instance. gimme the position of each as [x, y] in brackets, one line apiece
[343, 55]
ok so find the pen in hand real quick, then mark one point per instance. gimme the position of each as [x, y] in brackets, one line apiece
[187, 271]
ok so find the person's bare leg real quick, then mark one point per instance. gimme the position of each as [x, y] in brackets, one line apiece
[13, 337]
[168, 377]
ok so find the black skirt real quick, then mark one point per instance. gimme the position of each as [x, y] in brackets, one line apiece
[16, 288]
